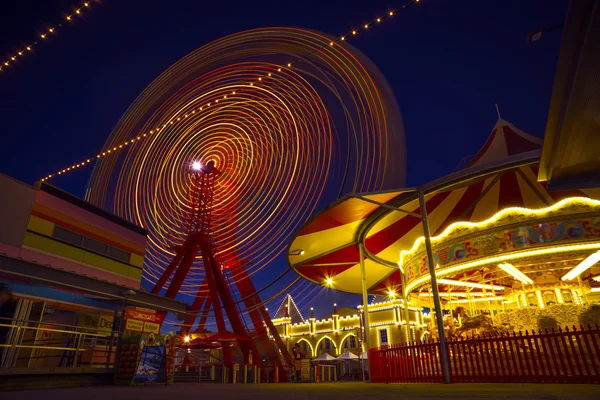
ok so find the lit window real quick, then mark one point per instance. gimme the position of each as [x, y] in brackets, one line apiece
[567, 297]
[352, 342]
[383, 337]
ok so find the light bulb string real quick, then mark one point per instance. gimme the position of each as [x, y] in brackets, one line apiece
[253, 83]
[70, 16]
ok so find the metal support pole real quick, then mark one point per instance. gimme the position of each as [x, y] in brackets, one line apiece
[365, 306]
[436, 295]
[409, 336]
[120, 330]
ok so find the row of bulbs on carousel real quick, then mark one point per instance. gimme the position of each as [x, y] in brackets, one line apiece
[172, 121]
[77, 13]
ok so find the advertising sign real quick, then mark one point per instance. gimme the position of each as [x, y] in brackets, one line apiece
[152, 367]
[143, 320]
[305, 369]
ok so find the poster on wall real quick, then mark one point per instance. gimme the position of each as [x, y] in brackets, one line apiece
[141, 335]
[152, 367]
[137, 347]
[305, 369]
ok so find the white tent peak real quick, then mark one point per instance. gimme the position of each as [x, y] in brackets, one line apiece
[348, 356]
[325, 357]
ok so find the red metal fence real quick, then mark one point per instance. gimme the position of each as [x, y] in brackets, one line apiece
[550, 356]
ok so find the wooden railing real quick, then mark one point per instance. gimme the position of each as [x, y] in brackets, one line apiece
[569, 355]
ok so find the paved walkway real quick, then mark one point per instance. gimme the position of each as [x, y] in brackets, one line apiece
[337, 391]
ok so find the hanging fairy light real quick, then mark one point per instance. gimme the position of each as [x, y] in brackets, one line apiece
[171, 122]
[70, 16]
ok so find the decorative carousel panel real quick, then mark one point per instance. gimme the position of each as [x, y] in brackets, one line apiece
[571, 225]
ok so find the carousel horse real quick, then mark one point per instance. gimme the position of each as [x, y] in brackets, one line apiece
[480, 324]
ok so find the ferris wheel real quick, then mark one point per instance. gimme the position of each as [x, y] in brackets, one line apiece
[291, 120]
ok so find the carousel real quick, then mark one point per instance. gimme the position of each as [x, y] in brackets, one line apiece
[489, 245]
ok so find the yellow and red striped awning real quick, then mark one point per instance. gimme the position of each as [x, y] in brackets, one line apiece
[503, 174]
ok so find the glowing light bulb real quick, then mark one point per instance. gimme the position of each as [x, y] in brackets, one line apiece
[196, 165]
[378, 19]
[186, 339]
[366, 26]
[329, 282]
[354, 32]
[343, 38]
[391, 13]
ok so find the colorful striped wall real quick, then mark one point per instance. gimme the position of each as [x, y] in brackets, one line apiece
[56, 214]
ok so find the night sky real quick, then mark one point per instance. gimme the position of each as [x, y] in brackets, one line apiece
[448, 62]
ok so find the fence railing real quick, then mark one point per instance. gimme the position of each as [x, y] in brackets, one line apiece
[569, 355]
[32, 344]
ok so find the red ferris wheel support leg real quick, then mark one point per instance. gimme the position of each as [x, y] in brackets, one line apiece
[253, 303]
[203, 317]
[168, 271]
[232, 311]
[191, 251]
[201, 299]
[216, 305]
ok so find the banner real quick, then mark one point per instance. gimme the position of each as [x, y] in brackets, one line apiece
[305, 369]
[143, 320]
[133, 346]
[152, 367]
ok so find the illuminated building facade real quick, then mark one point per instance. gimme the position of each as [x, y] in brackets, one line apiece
[71, 267]
[340, 331]
[502, 244]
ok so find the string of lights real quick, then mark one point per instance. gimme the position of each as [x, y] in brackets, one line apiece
[271, 128]
[375, 21]
[70, 17]
[255, 103]
[82, 163]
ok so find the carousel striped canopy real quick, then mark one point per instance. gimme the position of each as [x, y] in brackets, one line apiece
[502, 174]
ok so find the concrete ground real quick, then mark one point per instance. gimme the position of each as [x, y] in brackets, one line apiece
[330, 391]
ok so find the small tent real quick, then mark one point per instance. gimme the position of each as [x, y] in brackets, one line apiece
[325, 357]
[347, 356]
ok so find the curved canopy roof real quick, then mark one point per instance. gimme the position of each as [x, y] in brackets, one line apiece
[502, 174]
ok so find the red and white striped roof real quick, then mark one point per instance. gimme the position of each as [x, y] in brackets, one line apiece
[503, 174]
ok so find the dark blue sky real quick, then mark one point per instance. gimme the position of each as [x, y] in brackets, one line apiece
[448, 62]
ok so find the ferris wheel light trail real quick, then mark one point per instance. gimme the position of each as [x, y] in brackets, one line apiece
[286, 140]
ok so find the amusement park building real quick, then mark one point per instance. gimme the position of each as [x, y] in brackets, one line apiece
[503, 244]
[341, 331]
[71, 267]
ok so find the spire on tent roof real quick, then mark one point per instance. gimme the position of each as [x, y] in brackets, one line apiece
[505, 140]
[288, 309]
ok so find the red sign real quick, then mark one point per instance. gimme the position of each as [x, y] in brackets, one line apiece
[145, 315]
